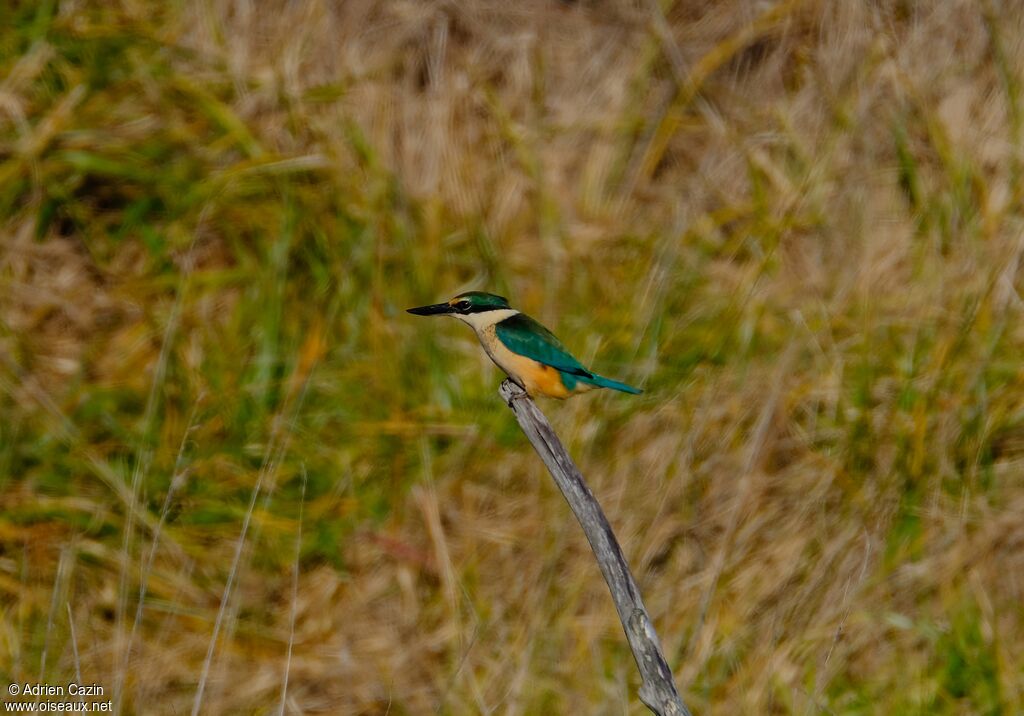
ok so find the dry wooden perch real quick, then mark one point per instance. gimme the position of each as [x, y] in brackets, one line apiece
[658, 690]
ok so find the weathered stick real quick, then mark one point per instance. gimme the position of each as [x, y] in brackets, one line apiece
[658, 691]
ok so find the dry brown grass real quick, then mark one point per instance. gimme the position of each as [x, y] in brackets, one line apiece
[798, 224]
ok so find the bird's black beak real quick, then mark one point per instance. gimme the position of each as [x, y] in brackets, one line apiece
[433, 310]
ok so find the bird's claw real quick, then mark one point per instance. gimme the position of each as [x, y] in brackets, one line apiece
[518, 394]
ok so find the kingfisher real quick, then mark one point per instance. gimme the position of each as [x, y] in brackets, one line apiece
[528, 352]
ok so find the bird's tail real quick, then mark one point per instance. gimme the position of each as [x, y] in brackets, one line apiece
[601, 381]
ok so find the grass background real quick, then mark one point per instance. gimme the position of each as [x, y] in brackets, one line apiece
[228, 459]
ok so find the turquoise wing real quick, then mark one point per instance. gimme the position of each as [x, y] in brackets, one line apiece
[525, 336]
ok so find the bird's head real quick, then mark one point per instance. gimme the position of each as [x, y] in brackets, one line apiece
[470, 307]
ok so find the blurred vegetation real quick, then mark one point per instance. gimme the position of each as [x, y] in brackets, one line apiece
[228, 458]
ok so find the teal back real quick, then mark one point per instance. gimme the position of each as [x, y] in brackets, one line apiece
[525, 336]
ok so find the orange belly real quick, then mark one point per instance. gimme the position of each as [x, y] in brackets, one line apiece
[540, 379]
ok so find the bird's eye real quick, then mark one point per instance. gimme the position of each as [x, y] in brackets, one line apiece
[462, 305]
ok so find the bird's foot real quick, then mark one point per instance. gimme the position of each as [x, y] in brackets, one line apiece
[518, 396]
[513, 391]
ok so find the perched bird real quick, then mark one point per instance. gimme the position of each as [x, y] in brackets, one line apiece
[527, 351]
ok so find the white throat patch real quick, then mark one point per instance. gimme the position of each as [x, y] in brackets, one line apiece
[485, 319]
